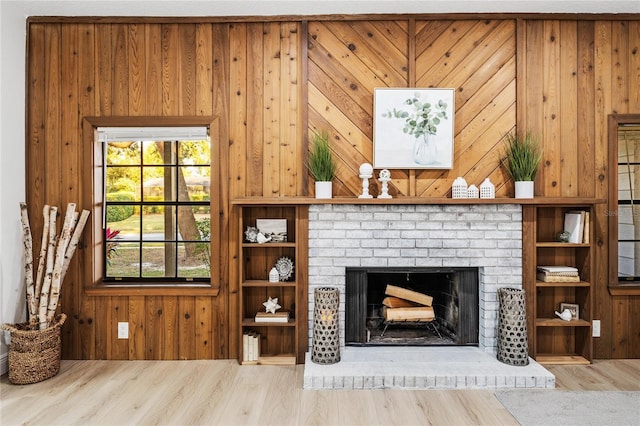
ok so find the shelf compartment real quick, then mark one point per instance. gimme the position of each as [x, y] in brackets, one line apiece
[274, 340]
[254, 297]
[251, 215]
[259, 259]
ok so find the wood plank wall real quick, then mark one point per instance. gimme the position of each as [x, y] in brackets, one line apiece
[274, 82]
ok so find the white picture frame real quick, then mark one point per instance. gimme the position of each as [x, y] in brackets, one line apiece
[398, 144]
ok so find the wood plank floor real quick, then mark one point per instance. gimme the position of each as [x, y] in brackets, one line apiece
[224, 393]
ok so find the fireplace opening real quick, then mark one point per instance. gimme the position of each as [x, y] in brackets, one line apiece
[443, 306]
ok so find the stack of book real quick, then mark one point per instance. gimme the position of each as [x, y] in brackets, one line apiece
[556, 274]
[282, 316]
[576, 223]
[250, 346]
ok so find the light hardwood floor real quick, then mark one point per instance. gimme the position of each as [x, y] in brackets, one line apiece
[224, 393]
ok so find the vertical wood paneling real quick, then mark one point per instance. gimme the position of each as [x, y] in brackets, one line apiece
[120, 64]
[88, 104]
[238, 105]
[290, 92]
[136, 43]
[551, 108]
[568, 106]
[254, 147]
[271, 124]
[585, 117]
[70, 163]
[137, 330]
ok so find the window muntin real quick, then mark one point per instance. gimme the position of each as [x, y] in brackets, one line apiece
[157, 210]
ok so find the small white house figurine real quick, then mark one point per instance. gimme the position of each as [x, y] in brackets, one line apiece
[384, 177]
[459, 188]
[366, 173]
[473, 192]
[487, 189]
[274, 275]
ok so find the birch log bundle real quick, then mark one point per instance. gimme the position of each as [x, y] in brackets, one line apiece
[56, 251]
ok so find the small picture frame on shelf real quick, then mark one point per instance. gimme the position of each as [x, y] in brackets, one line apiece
[274, 228]
[574, 308]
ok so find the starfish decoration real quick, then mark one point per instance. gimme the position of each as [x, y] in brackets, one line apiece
[271, 305]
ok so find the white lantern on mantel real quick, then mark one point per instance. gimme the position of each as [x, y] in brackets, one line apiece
[459, 188]
[487, 189]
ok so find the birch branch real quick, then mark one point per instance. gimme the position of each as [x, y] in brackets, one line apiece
[71, 248]
[61, 248]
[46, 284]
[27, 242]
[41, 261]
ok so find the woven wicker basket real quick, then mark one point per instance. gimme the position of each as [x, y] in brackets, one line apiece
[34, 355]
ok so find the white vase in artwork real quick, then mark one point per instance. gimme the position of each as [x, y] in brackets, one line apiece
[524, 189]
[425, 150]
[324, 190]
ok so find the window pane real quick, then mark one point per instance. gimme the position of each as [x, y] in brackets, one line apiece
[628, 149]
[158, 259]
[123, 184]
[153, 153]
[193, 221]
[123, 153]
[629, 259]
[197, 181]
[123, 260]
[158, 223]
[159, 184]
[194, 153]
[628, 176]
[194, 260]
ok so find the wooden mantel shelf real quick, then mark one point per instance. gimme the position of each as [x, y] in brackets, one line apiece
[552, 201]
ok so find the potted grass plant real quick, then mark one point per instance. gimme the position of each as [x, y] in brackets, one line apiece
[322, 165]
[522, 156]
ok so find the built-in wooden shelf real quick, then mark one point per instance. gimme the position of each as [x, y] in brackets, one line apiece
[552, 201]
[557, 322]
[250, 322]
[562, 359]
[563, 284]
[267, 283]
[280, 359]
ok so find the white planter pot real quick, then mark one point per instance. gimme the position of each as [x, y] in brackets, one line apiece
[524, 189]
[324, 190]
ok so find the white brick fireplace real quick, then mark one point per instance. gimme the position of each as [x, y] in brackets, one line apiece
[483, 236]
[486, 236]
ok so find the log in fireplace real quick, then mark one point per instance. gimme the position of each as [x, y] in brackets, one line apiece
[455, 304]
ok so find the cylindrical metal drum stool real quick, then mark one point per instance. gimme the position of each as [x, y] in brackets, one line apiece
[326, 337]
[512, 327]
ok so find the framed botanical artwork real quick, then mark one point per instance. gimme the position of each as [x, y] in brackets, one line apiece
[413, 128]
[573, 308]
